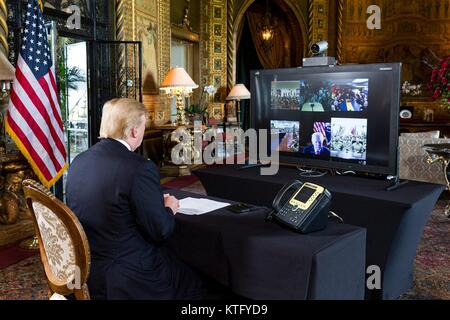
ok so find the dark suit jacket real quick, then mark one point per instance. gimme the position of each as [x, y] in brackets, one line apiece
[117, 197]
[310, 150]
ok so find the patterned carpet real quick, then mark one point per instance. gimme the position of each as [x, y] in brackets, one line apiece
[26, 280]
[432, 264]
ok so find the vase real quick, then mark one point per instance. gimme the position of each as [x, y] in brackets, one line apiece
[195, 117]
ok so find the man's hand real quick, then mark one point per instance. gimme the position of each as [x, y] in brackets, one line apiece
[171, 202]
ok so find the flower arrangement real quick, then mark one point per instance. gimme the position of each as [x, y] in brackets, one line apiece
[411, 89]
[439, 84]
[201, 108]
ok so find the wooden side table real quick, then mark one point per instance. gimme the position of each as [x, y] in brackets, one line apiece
[168, 168]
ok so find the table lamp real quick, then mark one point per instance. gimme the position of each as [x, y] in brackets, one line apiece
[238, 92]
[178, 84]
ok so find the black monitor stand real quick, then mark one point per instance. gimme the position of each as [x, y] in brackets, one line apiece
[250, 165]
[397, 183]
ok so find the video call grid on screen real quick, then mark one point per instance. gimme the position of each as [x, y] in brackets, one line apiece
[342, 95]
[341, 117]
[342, 138]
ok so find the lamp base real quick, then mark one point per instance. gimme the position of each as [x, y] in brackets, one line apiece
[181, 114]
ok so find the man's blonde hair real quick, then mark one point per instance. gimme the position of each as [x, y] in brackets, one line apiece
[119, 116]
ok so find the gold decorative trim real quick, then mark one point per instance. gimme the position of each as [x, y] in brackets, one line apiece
[340, 30]
[120, 36]
[120, 20]
[133, 18]
[310, 23]
[204, 44]
[318, 21]
[4, 47]
[218, 34]
[230, 44]
[127, 20]
[164, 38]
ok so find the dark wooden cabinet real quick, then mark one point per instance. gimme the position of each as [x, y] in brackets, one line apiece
[420, 126]
[427, 115]
[152, 146]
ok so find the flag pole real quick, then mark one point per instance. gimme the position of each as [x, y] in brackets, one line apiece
[33, 242]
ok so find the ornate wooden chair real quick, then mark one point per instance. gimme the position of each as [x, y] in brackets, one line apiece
[63, 245]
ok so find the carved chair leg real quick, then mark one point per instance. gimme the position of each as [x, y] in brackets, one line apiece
[50, 293]
[83, 293]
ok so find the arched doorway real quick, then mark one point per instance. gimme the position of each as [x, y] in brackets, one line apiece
[290, 40]
[290, 14]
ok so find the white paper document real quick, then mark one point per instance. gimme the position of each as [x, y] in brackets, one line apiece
[194, 206]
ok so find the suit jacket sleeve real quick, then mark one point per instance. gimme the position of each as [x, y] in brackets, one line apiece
[147, 202]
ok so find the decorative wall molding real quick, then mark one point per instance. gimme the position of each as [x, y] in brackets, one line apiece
[340, 29]
[148, 21]
[164, 38]
[318, 12]
[204, 44]
[310, 22]
[4, 47]
[120, 36]
[230, 44]
[216, 19]
[407, 28]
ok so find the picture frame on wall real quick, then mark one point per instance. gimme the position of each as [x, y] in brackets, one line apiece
[217, 111]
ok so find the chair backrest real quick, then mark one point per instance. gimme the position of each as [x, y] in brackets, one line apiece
[63, 245]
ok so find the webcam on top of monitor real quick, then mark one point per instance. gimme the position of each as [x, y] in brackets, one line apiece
[319, 58]
[319, 48]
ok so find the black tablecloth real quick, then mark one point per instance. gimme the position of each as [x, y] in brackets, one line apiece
[394, 219]
[262, 260]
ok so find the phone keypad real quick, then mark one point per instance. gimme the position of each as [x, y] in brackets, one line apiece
[291, 214]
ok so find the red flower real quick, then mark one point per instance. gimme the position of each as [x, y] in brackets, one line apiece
[437, 94]
[433, 75]
[439, 84]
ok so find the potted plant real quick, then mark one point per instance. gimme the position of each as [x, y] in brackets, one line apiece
[199, 111]
[196, 112]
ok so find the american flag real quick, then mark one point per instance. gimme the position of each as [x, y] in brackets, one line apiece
[322, 128]
[34, 117]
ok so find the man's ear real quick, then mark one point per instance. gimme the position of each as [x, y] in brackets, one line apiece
[133, 132]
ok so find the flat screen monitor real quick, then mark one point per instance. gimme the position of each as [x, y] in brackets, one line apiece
[341, 117]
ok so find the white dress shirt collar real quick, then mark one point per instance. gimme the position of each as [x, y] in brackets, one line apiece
[124, 143]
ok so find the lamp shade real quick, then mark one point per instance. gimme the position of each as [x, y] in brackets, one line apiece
[178, 78]
[7, 70]
[238, 92]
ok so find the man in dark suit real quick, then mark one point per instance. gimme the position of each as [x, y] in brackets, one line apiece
[117, 196]
[317, 148]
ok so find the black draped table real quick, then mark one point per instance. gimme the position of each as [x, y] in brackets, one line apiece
[262, 260]
[394, 219]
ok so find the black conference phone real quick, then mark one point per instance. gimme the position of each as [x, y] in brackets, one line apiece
[303, 207]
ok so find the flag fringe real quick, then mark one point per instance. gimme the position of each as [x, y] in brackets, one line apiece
[27, 155]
